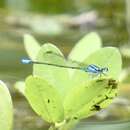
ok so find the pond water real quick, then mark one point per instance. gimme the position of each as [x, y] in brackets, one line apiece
[54, 22]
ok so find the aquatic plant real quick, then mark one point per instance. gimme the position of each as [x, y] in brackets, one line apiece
[63, 96]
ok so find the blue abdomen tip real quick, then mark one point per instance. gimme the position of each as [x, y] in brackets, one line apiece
[26, 61]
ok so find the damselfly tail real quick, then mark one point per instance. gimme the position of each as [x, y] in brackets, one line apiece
[28, 61]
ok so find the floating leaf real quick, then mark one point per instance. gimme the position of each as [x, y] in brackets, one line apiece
[58, 77]
[31, 45]
[86, 46]
[6, 109]
[82, 100]
[44, 99]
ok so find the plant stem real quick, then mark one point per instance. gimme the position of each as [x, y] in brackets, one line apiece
[69, 125]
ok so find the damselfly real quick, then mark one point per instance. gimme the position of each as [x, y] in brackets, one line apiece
[93, 69]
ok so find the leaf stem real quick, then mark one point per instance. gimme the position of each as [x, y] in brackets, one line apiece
[68, 125]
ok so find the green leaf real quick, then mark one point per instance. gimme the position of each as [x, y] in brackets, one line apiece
[86, 46]
[6, 109]
[109, 57]
[31, 45]
[82, 100]
[58, 77]
[102, 101]
[44, 99]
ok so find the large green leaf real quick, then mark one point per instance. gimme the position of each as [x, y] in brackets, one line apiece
[31, 45]
[6, 109]
[87, 45]
[58, 77]
[108, 57]
[44, 99]
[86, 99]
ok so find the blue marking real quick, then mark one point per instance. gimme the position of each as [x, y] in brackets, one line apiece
[92, 69]
[95, 69]
[92, 66]
[26, 61]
